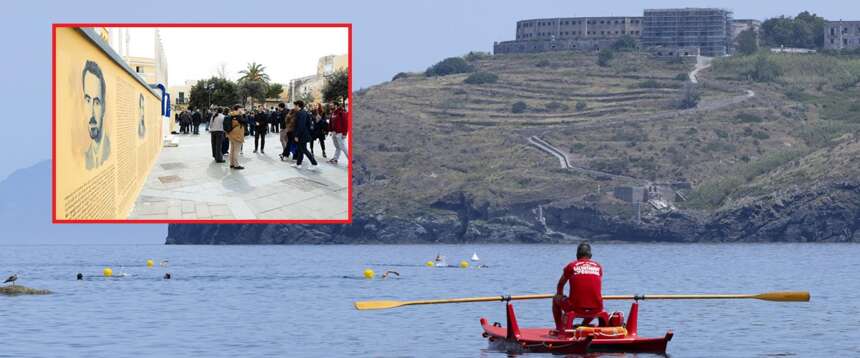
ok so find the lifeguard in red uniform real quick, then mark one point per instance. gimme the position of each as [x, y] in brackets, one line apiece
[585, 299]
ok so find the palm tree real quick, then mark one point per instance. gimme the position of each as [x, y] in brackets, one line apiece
[254, 72]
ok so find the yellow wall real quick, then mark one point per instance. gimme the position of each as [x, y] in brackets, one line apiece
[104, 185]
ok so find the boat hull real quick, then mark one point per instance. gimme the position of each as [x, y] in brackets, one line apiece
[539, 340]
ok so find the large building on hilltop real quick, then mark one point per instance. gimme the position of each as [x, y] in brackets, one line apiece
[709, 30]
[667, 32]
[569, 33]
[842, 35]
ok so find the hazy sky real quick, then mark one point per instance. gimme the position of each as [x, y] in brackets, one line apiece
[389, 36]
[196, 53]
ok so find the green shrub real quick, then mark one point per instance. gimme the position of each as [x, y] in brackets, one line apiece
[682, 77]
[747, 118]
[649, 83]
[448, 66]
[400, 75]
[765, 69]
[543, 63]
[556, 106]
[604, 56]
[476, 55]
[581, 106]
[625, 42]
[689, 98]
[760, 135]
[479, 78]
[519, 107]
[721, 133]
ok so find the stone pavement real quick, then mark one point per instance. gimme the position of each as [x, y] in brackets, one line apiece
[186, 184]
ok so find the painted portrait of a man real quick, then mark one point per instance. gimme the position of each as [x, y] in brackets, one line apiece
[93, 83]
[141, 125]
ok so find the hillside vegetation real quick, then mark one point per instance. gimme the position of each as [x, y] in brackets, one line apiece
[770, 151]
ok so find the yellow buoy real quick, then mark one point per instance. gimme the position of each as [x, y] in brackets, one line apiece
[149, 263]
[107, 272]
[429, 264]
[368, 273]
[464, 264]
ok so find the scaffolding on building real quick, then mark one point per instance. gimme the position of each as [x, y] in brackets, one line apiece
[708, 29]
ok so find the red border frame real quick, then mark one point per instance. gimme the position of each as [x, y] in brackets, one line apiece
[54, 219]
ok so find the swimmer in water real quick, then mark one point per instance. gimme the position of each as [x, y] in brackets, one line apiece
[167, 276]
[80, 276]
[385, 275]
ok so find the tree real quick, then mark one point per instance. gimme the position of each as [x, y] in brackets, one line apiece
[223, 93]
[336, 88]
[765, 69]
[806, 31]
[625, 42]
[747, 42]
[254, 72]
[253, 90]
[604, 56]
[690, 96]
[274, 90]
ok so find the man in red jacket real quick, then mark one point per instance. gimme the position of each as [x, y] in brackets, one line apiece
[339, 128]
[585, 298]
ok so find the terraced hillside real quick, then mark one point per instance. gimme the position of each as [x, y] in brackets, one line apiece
[441, 160]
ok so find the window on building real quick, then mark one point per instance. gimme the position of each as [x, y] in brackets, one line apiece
[138, 69]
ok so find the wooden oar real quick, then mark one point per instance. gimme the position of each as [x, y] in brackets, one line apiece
[780, 296]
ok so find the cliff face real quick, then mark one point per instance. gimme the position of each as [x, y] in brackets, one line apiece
[439, 160]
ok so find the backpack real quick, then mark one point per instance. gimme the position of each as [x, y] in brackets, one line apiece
[228, 124]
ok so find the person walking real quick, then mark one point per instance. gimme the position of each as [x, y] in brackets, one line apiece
[262, 123]
[303, 136]
[277, 116]
[290, 129]
[319, 128]
[185, 121]
[237, 135]
[339, 128]
[216, 132]
[280, 119]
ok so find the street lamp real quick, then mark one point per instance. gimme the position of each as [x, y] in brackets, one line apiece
[209, 87]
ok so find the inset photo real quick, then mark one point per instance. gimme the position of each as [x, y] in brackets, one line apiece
[202, 123]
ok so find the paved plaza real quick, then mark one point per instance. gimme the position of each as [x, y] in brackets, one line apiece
[186, 184]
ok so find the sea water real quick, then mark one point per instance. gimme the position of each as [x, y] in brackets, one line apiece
[295, 301]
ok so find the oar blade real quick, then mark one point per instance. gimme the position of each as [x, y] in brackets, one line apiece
[784, 296]
[377, 305]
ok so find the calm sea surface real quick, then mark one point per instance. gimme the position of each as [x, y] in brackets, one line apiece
[296, 301]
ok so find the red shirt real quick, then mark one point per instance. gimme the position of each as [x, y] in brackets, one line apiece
[584, 277]
[339, 122]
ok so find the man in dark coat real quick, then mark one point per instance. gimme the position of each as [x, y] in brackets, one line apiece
[196, 118]
[303, 135]
[261, 121]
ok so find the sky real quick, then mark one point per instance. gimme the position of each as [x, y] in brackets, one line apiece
[389, 36]
[196, 53]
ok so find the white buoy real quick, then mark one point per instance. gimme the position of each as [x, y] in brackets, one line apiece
[475, 257]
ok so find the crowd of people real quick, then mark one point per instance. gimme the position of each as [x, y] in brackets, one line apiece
[298, 128]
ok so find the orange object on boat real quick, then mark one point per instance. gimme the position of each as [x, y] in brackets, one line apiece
[598, 332]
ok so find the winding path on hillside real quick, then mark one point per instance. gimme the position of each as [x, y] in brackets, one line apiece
[702, 63]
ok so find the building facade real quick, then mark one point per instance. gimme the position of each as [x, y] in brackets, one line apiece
[569, 33]
[842, 35]
[310, 87]
[709, 30]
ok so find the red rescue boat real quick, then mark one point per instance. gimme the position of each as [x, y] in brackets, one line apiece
[620, 337]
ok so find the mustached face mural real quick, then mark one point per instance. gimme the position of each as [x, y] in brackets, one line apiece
[141, 125]
[93, 83]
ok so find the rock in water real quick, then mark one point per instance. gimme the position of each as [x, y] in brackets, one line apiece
[21, 290]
